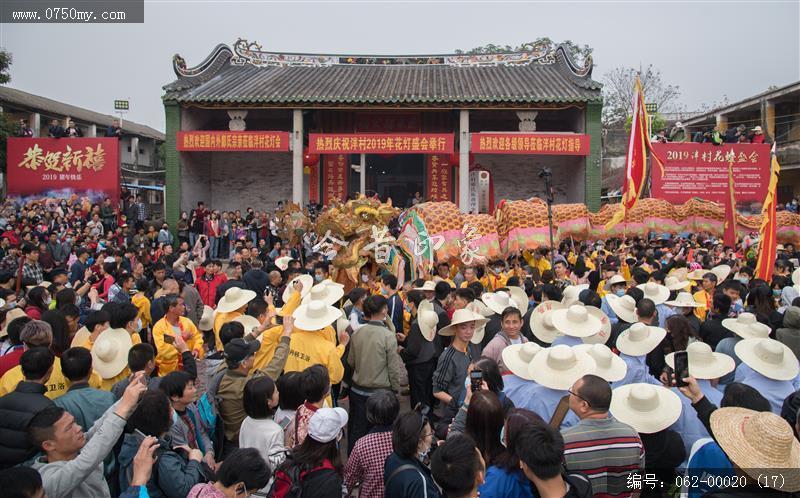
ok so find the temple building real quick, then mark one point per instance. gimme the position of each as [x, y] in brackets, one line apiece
[251, 127]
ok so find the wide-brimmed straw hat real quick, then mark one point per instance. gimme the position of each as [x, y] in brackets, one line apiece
[747, 326]
[541, 321]
[679, 273]
[328, 294]
[608, 366]
[498, 301]
[481, 310]
[770, 358]
[315, 315]
[44, 284]
[110, 352]
[283, 262]
[80, 338]
[248, 322]
[676, 284]
[796, 277]
[518, 296]
[463, 316]
[517, 358]
[645, 407]
[207, 320]
[305, 279]
[427, 319]
[758, 441]
[429, 285]
[560, 366]
[683, 300]
[639, 339]
[703, 362]
[576, 321]
[616, 279]
[624, 307]
[697, 274]
[657, 293]
[12, 315]
[234, 299]
[603, 335]
[572, 293]
[721, 271]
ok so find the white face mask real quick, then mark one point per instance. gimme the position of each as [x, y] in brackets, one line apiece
[48, 300]
[365, 278]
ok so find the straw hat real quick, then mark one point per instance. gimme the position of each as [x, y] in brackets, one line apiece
[674, 284]
[571, 293]
[747, 326]
[234, 299]
[44, 283]
[315, 315]
[703, 362]
[602, 336]
[283, 262]
[657, 293]
[427, 319]
[616, 279]
[480, 309]
[770, 358]
[624, 307]
[683, 300]
[560, 366]
[110, 352]
[305, 279]
[518, 296]
[2, 302]
[498, 301]
[696, 274]
[429, 285]
[541, 321]
[575, 321]
[721, 271]
[796, 277]
[248, 322]
[463, 316]
[758, 440]
[80, 338]
[645, 407]
[12, 315]
[679, 273]
[517, 357]
[207, 320]
[608, 365]
[639, 339]
[328, 294]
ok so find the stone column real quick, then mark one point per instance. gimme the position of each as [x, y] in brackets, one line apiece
[35, 122]
[172, 164]
[297, 156]
[463, 161]
[92, 130]
[362, 177]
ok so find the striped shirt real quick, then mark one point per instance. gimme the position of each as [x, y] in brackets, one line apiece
[606, 451]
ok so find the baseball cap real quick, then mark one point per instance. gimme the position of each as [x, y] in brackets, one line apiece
[238, 350]
[326, 423]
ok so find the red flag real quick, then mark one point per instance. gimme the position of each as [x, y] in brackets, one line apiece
[767, 240]
[636, 159]
[729, 237]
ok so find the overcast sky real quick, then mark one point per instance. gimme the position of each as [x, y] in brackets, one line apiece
[707, 48]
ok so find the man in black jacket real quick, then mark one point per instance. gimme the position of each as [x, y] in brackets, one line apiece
[56, 130]
[18, 408]
[711, 330]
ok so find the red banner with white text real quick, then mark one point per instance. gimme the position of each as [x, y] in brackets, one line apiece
[63, 167]
[334, 177]
[440, 182]
[701, 170]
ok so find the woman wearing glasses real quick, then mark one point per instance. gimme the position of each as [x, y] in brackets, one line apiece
[405, 474]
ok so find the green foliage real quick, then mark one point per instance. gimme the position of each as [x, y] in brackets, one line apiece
[8, 128]
[657, 121]
[5, 63]
[578, 52]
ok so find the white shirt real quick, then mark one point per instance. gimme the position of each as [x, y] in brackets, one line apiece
[266, 436]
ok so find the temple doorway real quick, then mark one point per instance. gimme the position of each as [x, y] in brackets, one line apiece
[397, 176]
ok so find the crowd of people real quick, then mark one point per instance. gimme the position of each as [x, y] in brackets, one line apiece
[738, 134]
[134, 363]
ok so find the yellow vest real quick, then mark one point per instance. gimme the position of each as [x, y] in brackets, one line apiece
[56, 385]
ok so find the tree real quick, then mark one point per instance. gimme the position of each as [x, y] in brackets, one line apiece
[618, 87]
[578, 52]
[5, 63]
[7, 124]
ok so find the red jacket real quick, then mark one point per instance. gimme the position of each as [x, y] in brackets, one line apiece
[208, 287]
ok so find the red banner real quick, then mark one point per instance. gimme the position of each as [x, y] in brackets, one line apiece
[440, 182]
[380, 143]
[701, 170]
[561, 144]
[313, 183]
[334, 177]
[261, 141]
[62, 167]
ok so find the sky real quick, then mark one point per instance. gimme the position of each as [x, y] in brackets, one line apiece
[708, 49]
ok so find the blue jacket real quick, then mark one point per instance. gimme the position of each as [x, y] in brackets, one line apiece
[173, 476]
[410, 483]
[85, 403]
[498, 483]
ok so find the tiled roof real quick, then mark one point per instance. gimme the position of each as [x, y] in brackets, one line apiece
[79, 114]
[254, 77]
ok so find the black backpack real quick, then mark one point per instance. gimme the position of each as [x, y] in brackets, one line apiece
[288, 482]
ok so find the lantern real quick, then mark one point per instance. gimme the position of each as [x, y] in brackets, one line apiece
[309, 159]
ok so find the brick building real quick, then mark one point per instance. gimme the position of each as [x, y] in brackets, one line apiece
[249, 127]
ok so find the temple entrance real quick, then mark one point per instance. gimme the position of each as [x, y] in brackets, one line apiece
[397, 176]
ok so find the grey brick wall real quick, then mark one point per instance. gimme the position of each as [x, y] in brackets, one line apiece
[517, 176]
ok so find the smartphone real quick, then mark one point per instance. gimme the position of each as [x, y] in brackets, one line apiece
[169, 339]
[476, 379]
[681, 367]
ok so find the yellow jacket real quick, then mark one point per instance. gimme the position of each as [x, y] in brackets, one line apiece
[140, 301]
[221, 319]
[308, 348]
[56, 385]
[167, 355]
[269, 342]
[704, 298]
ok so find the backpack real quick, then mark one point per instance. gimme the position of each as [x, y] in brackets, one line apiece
[288, 481]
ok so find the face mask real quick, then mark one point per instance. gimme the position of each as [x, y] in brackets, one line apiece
[47, 300]
[318, 278]
[365, 278]
[776, 292]
[11, 305]
[620, 292]
[744, 281]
